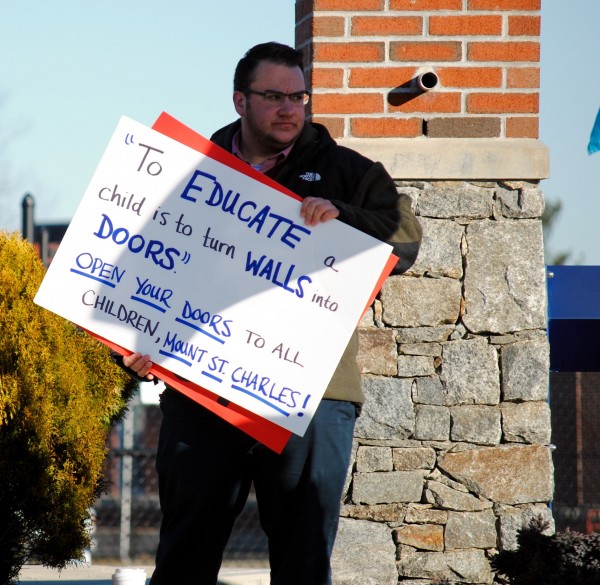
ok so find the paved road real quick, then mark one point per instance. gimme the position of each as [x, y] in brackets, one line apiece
[102, 575]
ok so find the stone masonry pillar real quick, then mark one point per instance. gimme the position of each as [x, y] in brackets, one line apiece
[451, 450]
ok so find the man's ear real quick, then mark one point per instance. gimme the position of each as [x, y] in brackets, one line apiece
[239, 102]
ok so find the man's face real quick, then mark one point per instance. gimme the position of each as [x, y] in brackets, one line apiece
[271, 127]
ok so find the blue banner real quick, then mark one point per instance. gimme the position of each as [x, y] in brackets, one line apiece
[594, 145]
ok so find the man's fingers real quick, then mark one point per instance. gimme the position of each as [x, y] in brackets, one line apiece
[129, 360]
[316, 210]
[139, 364]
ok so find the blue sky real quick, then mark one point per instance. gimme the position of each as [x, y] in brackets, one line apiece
[570, 99]
[70, 69]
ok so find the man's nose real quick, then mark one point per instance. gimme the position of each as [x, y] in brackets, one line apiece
[287, 105]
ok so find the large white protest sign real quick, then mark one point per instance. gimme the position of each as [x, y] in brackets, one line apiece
[213, 273]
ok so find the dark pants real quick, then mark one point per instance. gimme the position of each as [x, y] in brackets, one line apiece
[205, 468]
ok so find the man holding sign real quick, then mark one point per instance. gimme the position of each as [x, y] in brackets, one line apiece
[206, 465]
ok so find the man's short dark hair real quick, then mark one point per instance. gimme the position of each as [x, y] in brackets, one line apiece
[272, 52]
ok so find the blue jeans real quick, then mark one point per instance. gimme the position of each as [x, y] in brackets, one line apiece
[206, 467]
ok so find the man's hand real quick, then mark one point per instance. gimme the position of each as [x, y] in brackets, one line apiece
[140, 364]
[315, 210]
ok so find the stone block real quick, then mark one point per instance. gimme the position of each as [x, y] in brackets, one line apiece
[470, 372]
[511, 520]
[526, 422]
[375, 513]
[385, 487]
[437, 475]
[364, 554]
[388, 409]
[471, 530]
[462, 201]
[432, 423]
[411, 458]
[504, 474]
[430, 391]
[425, 514]
[377, 352]
[440, 252]
[374, 459]
[447, 498]
[476, 424]
[525, 367]
[517, 184]
[421, 536]
[412, 366]
[415, 302]
[368, 318]
[504, 291]
[470, 566]
[424, 334]
[431, 349]
[521, 203]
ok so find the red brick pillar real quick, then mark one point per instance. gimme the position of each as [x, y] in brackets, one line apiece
[366, 56]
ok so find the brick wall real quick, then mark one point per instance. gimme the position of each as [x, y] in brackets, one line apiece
[452, 449]
[366, 55]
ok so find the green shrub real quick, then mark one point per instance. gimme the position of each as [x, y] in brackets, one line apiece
[59, 395]
[565, 558]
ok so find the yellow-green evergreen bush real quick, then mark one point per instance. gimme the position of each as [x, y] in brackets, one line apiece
[59, 395]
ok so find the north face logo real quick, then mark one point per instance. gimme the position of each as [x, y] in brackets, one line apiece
[308, 176]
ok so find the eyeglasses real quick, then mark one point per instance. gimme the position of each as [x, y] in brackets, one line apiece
[277, 98]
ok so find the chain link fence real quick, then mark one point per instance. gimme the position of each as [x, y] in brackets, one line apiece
[127, 515]
[575, 406]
